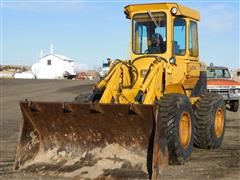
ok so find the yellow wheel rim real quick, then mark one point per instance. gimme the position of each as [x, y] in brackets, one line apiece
[185, 129]
[219, 122]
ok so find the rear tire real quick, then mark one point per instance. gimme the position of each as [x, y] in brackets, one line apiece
[210, 116]
[176, 113]
[233, 106]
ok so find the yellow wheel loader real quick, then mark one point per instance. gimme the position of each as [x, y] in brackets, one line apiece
[145, 113]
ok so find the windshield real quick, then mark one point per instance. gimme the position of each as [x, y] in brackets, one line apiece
[105, 65]
[218, 73]
[149, 33]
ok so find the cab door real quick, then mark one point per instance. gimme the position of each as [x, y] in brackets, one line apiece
[179, 50]
[192, 58]
[186, 69]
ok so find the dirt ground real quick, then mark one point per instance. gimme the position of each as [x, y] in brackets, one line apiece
[222, 163]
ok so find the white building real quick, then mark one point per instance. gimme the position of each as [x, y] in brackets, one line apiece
[55, 66]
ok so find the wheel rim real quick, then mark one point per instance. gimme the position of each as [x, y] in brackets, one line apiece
[185, 129]
[219, 122]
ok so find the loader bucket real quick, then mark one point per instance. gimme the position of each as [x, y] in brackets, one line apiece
[91, 140]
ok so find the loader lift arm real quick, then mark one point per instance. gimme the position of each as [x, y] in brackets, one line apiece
[122, 78]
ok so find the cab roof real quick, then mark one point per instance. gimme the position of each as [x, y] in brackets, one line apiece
[182, 10]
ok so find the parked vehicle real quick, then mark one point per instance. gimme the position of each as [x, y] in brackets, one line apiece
[219, 81]
[103, 70]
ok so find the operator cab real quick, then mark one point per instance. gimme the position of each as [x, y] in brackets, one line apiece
[164, 29]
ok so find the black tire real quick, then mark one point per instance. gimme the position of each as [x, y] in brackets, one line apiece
[171, 109]
[206, 108]
[233, 106]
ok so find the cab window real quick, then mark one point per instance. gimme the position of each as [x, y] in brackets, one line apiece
[193, 39]
[179, 44]
[149, 33]
[218, 73]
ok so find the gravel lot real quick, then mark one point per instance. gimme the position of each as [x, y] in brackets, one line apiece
[222, 163]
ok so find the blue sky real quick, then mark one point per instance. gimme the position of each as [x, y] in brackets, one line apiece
[92, 31]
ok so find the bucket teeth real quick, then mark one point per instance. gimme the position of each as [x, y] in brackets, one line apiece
[133, 109]
[34, 106]
[67, 108]
[96, 108]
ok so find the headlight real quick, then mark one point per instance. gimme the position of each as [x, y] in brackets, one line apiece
[232, 91]
[237, 91]
[172, 60]
[174, 10]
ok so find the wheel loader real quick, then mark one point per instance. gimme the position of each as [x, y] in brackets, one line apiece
[147, 112]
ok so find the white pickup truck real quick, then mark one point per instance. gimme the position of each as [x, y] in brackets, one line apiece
[103, 70]
[219, 81]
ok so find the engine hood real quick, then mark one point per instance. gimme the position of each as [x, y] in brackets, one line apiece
[222, 82]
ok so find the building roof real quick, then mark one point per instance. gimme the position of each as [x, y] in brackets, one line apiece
[65, 58]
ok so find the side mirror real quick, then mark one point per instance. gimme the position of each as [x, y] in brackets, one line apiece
[172, 60]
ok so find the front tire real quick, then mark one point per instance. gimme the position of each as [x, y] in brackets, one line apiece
[210, 116]
[177, 116]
